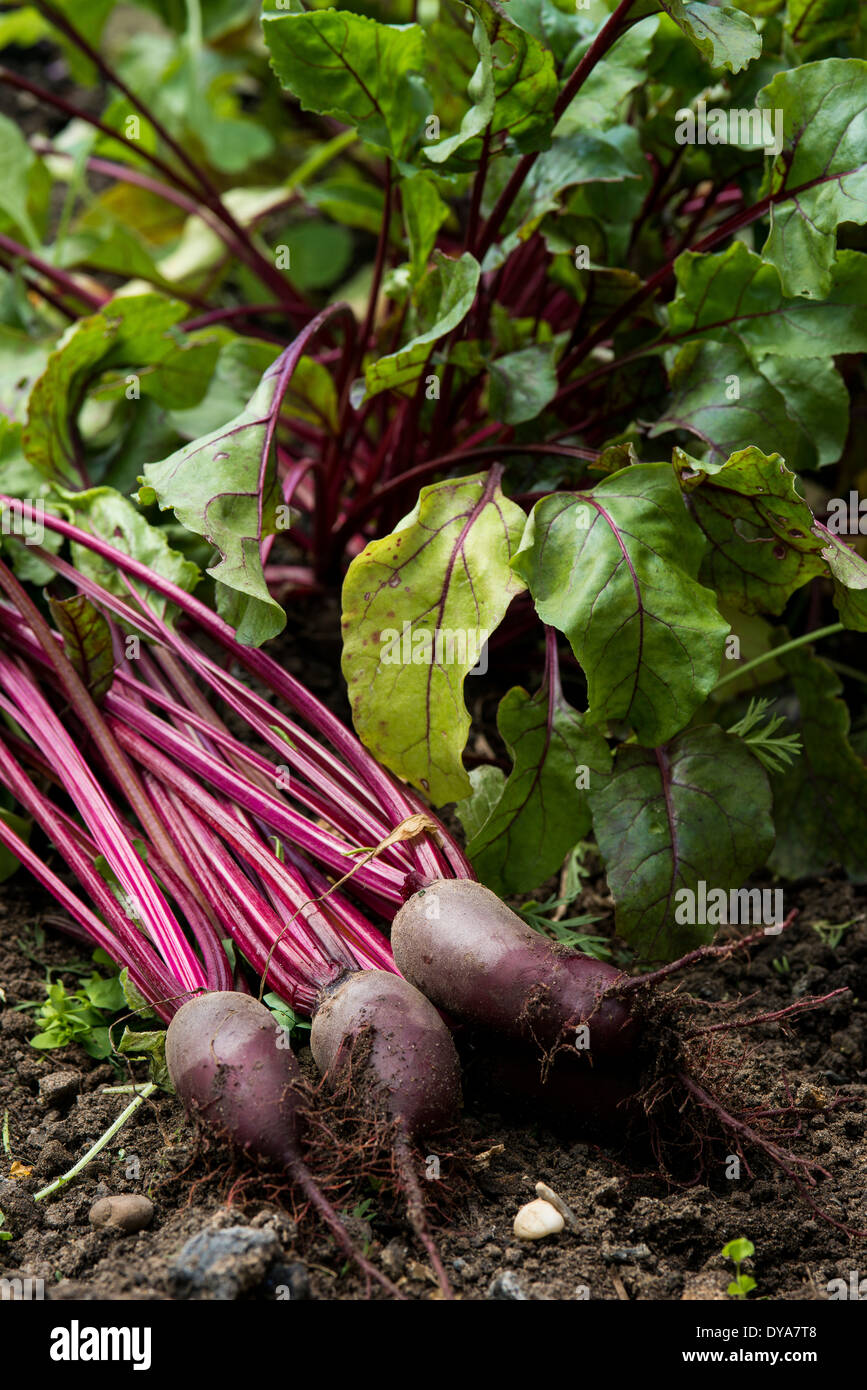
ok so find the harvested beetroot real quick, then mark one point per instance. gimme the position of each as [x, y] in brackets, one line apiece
[376, 1032]
[472, 956]
[224, 1055]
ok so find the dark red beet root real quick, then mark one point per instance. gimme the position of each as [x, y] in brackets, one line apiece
[404, 1063]
[411, 1060]
[227, 1058]
[223, 1057]
[472, 956]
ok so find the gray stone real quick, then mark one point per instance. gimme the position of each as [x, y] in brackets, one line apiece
[224, 1264]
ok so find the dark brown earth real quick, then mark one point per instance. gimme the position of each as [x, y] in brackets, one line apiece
[637, 1239]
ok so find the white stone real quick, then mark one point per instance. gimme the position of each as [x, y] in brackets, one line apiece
[537, 1220]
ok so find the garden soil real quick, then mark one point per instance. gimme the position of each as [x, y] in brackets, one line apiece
[636, 1237]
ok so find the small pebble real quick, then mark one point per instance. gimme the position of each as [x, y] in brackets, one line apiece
[126, 1212]
[506, 1286]
[537, 1220]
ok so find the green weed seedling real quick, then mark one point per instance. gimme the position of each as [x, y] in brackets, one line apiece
[738, 1251]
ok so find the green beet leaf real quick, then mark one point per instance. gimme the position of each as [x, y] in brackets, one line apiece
[737, 294]
[724, 36]
[761, 546]
[349, 66]
[86, 641]
[522, 384]
[512, 93]
[543, 810]
[616, 569]
[848, 572]
[487, 782]
[447, 293]
[820, 802]
[698, 808]
[104, 512]
[223, 487]
[135, 335]
[418, 607]
[819, 178]
[797, 407]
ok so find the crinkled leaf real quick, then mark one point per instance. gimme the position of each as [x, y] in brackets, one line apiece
[212, 485]
[512, 90]
[819, 179]
[849, 576]
[698, 808]
[797, 407]
[820, 802]
[351, 67]
[224, 487]
[616, 569]
[87, 642]
[433, 590]
[543, 810]
[480, 90]
[138, 334]
[738, 294]
[723, 35]
[522, 384]
[761, 546]
[150, 1044]
[448, 292]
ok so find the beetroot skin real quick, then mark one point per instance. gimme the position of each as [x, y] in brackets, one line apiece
[223, 1057]
[411, 1065]
[476, 959]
